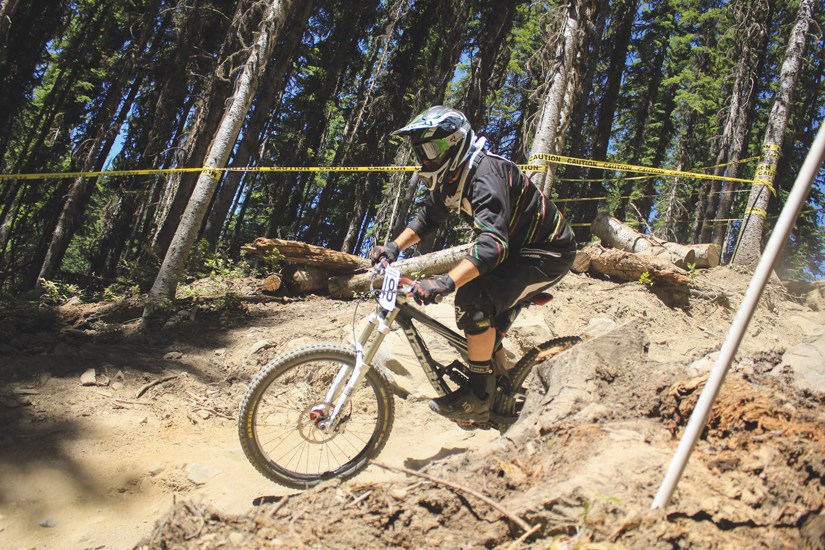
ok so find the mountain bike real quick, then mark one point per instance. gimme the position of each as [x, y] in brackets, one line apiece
[322, 411]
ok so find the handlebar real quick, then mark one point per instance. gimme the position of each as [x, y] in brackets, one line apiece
[405, 283]
[382, 266]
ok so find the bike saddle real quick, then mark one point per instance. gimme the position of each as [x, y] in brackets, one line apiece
[541, 298]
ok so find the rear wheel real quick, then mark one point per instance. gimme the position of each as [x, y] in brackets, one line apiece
[279, 423]
[510, 401]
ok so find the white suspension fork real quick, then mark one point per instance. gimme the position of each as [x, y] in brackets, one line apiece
[340, 391]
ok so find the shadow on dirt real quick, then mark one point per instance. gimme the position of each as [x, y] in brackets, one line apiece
[45, 351]
[41, 445]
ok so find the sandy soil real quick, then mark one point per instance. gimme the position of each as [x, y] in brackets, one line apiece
[97, 466]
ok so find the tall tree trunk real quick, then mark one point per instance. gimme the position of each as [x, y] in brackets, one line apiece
[421, 44]
[56, 116]
[578, 94]
[171, 270]
[358, 214]
[496, 21]
[264, 103]
[442, 74]
[576, 18]
[750, 239]
[105, 132]
[650, 72]
[178, 188]
[7, 13]
[380, 52]
[25, 29]
[102, 134]
[606, 110]
[754, 21]
[164, 111]
[338, 52]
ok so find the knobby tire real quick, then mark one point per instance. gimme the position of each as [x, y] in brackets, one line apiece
[511, 404]
[281, 441]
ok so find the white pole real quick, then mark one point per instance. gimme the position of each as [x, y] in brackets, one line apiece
[764, 268]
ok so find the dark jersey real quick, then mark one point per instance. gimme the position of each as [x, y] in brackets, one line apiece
[507, 212]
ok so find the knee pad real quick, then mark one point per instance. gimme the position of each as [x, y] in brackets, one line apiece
[473, 322]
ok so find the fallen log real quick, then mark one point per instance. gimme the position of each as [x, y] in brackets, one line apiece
[271, 283]
[581, 264]
[296, 252]
[308, 279]
[426, 265]
[627, 266]
[620, 236]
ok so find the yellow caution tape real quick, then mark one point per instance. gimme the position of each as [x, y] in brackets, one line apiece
[216, 171]
[606, 197]
[756, 212]
[153, 172]
[718, 220]
[764, 176]
[532, 167]
[740, 161]
[560, 159]
[765, 171]
[600, 180]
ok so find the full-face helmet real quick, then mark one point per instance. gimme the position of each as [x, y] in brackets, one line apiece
[442, 141]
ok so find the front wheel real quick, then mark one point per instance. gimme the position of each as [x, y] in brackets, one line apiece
[279, 424]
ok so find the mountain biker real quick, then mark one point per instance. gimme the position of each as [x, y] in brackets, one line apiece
[522, 243]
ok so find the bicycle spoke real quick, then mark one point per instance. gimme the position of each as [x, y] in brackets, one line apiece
[286, 441]
[291, 452]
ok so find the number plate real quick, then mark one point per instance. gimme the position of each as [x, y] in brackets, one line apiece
[389, 289]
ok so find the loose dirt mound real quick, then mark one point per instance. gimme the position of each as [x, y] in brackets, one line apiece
[756, 480]
[97, 466]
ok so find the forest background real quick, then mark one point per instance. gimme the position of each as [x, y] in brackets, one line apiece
[730, 88]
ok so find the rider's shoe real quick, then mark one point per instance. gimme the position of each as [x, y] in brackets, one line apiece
[462, 404]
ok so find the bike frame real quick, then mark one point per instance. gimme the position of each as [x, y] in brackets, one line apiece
[381, 321]
[379, 324]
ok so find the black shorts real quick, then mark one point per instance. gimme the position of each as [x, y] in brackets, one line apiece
[521, 276]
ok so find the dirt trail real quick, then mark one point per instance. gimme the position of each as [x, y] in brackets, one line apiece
[97, 466]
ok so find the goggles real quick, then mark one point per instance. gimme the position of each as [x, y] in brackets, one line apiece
[428, 151]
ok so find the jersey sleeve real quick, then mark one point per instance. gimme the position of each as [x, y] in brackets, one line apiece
[431, 216]
[491, 217]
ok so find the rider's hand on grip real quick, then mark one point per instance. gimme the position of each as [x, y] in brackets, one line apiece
[430, 291]
[388, 251]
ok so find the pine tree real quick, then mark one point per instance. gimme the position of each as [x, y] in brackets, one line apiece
[750, 239]
[171, 269]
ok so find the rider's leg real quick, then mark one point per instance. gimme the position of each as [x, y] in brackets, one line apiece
[479, 355]
[472, 401]
[477, 304]
[480, 346]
